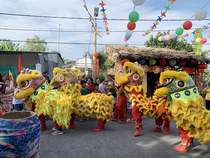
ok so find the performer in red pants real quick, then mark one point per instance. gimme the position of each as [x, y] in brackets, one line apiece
[101, 122]
[185, 140]
[41, 118]
[159, 122]
[120, 106]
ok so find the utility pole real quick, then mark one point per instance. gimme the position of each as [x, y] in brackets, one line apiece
[94, 40]
[59, 38]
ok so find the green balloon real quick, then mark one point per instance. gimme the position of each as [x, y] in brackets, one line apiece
[134, 16]
[179, 31]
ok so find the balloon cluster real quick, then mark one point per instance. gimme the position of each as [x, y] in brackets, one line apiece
[91, 19]
[133, 17]
[199, 15]
[102, 4]
[159, 19]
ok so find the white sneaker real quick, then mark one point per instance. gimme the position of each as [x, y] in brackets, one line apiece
[57, 132]
[54, 129]
[128, 120]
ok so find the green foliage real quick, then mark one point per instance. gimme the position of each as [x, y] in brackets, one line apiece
[108, 63]
[112, 90]
[35, 44]
[7, 45]
[67, 62]
[203, 94]
[102, 56]
[171, 44]
[197, 47]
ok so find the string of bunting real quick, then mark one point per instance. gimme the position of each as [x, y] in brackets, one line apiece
[159, 19]
[91, 19]
[133, 17]
[102, 4]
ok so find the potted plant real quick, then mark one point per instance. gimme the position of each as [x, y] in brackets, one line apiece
[109, 64]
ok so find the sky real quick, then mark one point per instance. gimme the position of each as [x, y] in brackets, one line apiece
[116, 9]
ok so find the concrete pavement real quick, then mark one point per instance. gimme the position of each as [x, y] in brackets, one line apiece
[116, 141]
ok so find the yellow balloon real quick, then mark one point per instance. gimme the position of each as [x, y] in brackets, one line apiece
[152, 61]
[198, 40]
[159, 38]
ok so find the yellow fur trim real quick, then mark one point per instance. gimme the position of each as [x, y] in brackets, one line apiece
[24, 94]
[161, 91]
[24, 77]
[58, 70]
[192, 117]
[138, 88]
[121, 79]
[183, 76]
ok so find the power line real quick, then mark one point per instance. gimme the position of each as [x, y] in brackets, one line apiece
[78, 18]
[51, 30]
[78, 43]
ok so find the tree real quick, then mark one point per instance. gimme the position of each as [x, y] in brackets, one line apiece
[102, 56]
[68, 62]
[171, 44]
[35, 44]
[7, 45]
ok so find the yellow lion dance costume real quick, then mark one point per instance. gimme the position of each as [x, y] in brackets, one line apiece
[187, 107]
[60, 105]
[131, 78]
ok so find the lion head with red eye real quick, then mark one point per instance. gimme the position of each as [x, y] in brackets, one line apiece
[28, 81]
[131, 73]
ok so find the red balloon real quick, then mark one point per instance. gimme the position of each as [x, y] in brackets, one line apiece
[131, 26]
[187, 25]
[95, 54]
[162, 61]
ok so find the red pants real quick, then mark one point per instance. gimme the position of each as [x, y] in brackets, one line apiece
[101, 123]
[120, 108]
[72, 119]
[159, 122]
[41, 118]
[183, 133]
[136, 114]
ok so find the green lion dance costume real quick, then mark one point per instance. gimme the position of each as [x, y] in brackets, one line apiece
[187, 107]
[60, 105]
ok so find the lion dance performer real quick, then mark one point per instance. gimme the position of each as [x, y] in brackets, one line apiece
[131, 78]
[66, 81]
[57, 104]
[186, 107]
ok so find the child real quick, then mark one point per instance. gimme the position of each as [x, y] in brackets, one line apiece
[96, 86]
[129, 110]
[9, 88]
[17, 104]
[84, 91]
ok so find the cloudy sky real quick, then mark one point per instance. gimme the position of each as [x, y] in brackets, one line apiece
[116, 9]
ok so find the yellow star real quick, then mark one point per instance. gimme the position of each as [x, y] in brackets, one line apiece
[208, 36]
[190, 33]
[150, 29]
[103, 14]
[182, 36]
[156, 22]
[172, 1]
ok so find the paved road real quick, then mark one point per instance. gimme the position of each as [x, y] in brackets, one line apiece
[116, 141]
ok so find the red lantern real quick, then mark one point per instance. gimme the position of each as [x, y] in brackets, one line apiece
[187, 25]
[131, 26]
[202, 66]
[162, 61]
[95, 54]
